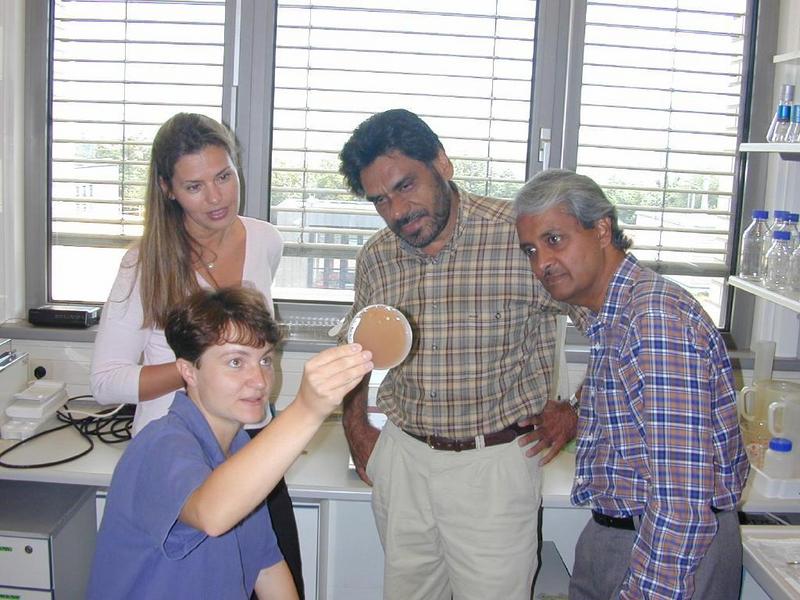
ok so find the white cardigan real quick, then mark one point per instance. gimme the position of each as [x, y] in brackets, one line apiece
[123, 346]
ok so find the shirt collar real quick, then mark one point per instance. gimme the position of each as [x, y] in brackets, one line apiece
[617, 294]
[186, 410]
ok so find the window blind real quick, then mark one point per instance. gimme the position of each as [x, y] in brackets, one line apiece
[464, 67]
[659, 115]
[119, 70]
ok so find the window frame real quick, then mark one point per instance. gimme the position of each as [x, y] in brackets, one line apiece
[247, 106]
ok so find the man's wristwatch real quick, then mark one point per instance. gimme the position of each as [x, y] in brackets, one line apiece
[574, 402]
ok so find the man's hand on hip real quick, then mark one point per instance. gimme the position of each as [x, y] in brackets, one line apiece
[555, 426]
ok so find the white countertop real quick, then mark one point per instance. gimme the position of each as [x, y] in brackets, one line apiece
[321, 472]
[93, 469]
[770, 555]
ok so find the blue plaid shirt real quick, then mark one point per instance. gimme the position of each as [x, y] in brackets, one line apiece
[658, 434]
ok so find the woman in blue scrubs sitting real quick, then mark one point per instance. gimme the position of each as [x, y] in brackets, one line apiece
[195, 523]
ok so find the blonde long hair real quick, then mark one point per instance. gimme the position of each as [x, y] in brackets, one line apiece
[167, 251]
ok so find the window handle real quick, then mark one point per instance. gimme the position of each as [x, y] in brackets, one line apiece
[544, 147]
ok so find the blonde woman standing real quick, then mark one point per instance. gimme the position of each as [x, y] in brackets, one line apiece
[193, 238]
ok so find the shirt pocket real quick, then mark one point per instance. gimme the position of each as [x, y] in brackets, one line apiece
[496, 326]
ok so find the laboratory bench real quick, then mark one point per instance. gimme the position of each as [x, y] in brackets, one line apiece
[341, 551]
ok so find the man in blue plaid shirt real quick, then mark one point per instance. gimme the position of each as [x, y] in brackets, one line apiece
[660, 457]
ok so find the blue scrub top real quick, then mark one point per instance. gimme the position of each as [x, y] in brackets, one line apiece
[143, 551]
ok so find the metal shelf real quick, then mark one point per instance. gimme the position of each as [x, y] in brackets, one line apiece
[762, 292]
[787, 151]
[787, 57]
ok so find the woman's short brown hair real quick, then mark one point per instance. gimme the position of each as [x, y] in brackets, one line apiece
[235, 315]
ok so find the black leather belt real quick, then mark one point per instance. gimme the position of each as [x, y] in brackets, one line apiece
[509, 434]
[615, 522]
[624, 522]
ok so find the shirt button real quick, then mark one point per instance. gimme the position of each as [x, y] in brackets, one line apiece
[497, 315]
[580, 480]
[596, 347]
[433, 394]
[434, 346]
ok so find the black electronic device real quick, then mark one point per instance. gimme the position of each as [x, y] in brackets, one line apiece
[64, 315]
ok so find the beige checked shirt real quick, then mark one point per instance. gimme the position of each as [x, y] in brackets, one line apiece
[484, 330]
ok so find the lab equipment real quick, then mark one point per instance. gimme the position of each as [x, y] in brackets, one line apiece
[780, 122]
[754, 246]
[776, 276]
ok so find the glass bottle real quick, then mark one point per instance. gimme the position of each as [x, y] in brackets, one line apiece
[791, 227]
[779, 256]
[794, 272]
[780, 122]
[754, 246]
[793, 135]
[779, 221]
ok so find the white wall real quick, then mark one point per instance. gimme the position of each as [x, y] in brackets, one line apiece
[12, 54]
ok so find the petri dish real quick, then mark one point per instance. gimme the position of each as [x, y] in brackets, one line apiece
[384, 331]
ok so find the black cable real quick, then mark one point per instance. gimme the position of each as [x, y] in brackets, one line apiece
[45, 464]
[112, 429]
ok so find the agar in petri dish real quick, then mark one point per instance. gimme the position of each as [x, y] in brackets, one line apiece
[384, 331]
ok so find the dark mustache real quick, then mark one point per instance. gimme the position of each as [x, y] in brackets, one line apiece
[403, 221]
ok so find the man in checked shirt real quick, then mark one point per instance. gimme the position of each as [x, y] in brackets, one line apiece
[455, 494]
[660, 457]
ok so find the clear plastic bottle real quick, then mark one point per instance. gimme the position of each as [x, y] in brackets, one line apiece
[778, 459]
[780, 122]
[779, 257]
[793, 135]
[754, 246]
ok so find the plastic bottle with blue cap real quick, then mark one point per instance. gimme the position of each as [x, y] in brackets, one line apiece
[779, 459]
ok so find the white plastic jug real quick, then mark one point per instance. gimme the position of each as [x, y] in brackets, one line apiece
[753, 404]
[783, 414]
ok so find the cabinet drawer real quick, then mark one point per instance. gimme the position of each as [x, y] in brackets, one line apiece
[15, 594]
[25, 562]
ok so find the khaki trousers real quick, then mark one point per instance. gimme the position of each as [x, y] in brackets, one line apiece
[460, 524]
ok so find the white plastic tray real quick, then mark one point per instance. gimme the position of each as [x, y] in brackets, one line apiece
[774, 488]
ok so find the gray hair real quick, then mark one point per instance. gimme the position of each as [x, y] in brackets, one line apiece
[580, 196]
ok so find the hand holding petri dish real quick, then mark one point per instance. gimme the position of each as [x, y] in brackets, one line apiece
[384, 331]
